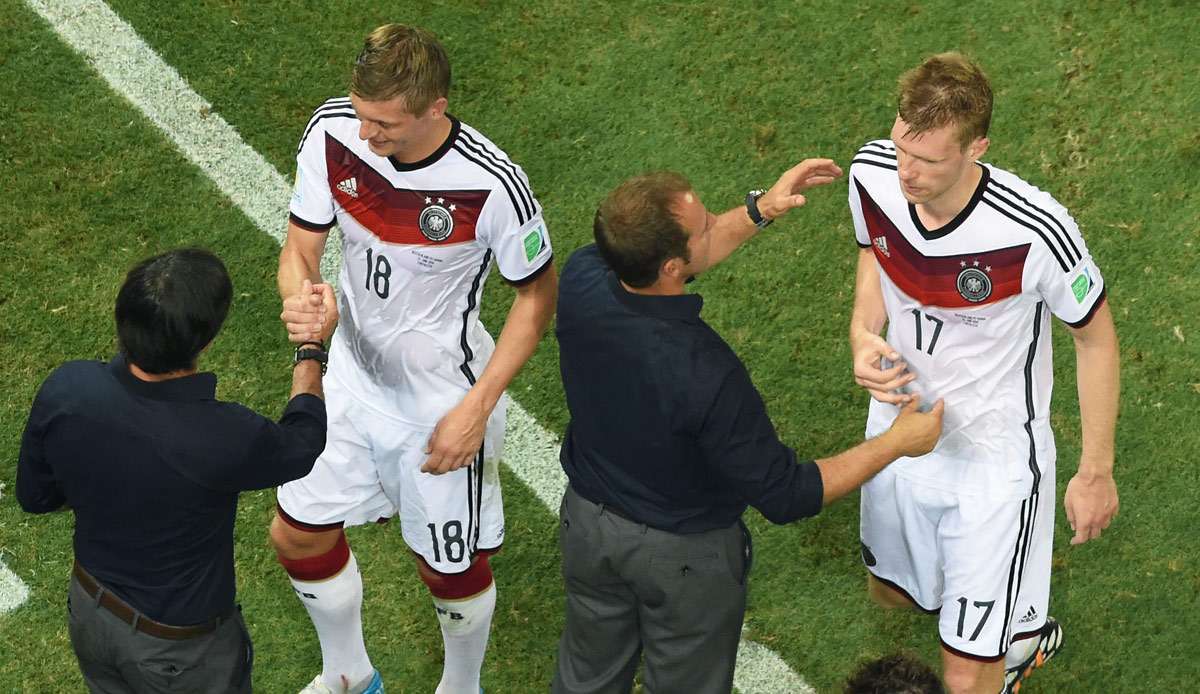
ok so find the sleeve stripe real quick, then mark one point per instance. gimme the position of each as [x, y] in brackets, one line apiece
[336, 103]
[871, 152]
[503, 181]
[1016, 207]
[1027, 225]
[533, 275]
[1044, 213]
[311, 226]
[872, 162]
[881, 146]
[1091, 311]
[322, 116]
[505, 166]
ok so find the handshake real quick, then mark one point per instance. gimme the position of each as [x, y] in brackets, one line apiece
[311, 314]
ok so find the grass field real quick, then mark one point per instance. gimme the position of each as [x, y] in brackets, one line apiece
[1096, 102]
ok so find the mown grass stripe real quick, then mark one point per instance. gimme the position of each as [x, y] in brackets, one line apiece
[136, 72]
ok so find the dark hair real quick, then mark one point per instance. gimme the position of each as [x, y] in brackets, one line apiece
[170, 307]
[636, 230]
[894, 674]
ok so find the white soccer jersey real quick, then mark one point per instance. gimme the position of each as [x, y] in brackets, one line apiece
[417, 243]
[968, 308]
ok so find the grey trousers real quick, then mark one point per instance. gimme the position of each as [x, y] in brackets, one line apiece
[676, 600]
[116, 658]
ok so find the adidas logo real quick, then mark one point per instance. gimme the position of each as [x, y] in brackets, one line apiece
[1029, 616]
[349, 187]
[881, 244]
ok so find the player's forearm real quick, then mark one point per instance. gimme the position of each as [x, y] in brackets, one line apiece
[870, 314]
[845, 472]
[1098, 374]
[295, 267]
[523, 328]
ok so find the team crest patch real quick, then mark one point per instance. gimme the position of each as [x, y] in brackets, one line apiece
[973, 284]
[436, 221]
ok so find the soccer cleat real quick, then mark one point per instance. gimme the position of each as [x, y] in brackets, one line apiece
[1050, 642]
[372, 685]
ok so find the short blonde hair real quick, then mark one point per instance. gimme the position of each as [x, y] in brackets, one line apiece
[400, 60]
[948, 88]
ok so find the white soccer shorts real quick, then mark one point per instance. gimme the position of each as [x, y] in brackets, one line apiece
[984, 564]
[370, 470]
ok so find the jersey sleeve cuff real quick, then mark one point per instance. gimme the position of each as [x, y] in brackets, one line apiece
[311, 226]
[861, 244]
[533, 275]
[1092, 311]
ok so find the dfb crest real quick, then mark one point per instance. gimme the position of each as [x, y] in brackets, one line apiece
[974, 285]
[436, 221]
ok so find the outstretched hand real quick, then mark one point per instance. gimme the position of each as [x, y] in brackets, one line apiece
[786, 193]
[917, 432]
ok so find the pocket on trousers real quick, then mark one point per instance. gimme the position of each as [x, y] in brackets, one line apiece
[163, 673]
[572, 542]
[740, 553]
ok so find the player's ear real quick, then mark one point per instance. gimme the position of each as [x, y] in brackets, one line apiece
[438, 107]
[976, 149]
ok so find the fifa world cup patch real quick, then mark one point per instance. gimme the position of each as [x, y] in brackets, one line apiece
[1081, 285]
[534, 243]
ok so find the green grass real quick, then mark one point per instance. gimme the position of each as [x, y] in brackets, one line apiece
[1095, 102]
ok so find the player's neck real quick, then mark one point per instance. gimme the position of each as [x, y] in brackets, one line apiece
[939, 211]
[427, 146]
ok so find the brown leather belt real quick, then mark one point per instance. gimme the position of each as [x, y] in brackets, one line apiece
[137, 620]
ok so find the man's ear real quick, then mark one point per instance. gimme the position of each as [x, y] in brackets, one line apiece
[976, 149]
[673, 268]
[437, 108]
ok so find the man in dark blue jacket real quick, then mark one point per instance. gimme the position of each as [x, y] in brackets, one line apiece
[669, 442]
[151, 463]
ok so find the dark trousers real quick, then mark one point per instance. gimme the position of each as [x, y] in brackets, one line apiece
[114, 657]
[676, 600]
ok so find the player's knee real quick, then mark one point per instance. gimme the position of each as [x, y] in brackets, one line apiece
[291, 542]
[966, 676]
[886, 596]
[460, 586]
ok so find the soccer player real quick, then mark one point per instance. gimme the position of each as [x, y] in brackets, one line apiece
[965, 263]
[426, 205]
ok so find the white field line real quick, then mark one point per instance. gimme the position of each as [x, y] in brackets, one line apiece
[13, 591]
[136, 72]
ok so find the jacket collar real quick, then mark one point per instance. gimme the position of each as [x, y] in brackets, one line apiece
[197, 386]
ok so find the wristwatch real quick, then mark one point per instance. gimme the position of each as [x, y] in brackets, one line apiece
[312, 350]
[752, 209]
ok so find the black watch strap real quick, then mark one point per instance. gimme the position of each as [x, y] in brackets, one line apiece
[312, 350]
[752, 209]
